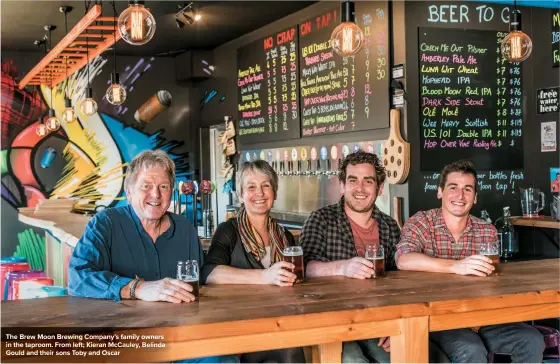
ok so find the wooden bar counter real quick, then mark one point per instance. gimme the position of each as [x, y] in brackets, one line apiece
[323, 312]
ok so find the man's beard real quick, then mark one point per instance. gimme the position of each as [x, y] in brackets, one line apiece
[355, 209]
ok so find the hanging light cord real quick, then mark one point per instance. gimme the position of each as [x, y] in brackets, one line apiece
[66, 58]
[114, 37]
[87, 46]
[50, 48]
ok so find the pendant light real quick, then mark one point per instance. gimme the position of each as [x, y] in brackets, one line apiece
[116, 94]
[52, 122]
[516, 46]
[136, 24]
[88, 106]
[68, 116]
[347, 39]
[41, 129]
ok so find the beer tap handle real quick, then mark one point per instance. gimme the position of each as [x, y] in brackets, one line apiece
[298, 168]
[308, 169]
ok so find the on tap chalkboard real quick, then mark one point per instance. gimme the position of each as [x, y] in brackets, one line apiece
[470, 98]
[344, 94]
[268, 88]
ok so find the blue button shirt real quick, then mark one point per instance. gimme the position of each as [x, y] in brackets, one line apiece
[115, 248]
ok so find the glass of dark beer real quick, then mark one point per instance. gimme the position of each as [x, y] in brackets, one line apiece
[376, 255]
[188, 272]
[294, 255]
[492, 251]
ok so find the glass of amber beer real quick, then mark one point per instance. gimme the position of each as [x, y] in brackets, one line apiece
[492, 251]
[188, 272]
[376, 255]
[294, 255]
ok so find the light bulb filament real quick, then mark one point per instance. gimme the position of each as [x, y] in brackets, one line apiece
[136, 19]
[89, 107]
[515, 47]
[116, 94]
[347, 39]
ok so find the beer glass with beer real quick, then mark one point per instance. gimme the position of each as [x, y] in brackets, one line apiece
[187, 272]
[294, 255]
[492, 251]
[375, 254]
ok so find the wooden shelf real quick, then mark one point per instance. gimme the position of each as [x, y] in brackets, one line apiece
[542, 222]
[66, 51]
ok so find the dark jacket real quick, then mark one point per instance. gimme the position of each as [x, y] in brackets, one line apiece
[227, 249]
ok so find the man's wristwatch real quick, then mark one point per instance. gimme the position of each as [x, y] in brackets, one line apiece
[133, 288]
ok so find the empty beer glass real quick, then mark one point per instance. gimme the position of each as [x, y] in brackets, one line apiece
[492, 251]
[294, 255]
[187, 271]
[376, 255]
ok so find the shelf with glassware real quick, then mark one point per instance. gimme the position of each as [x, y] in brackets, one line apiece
[540, 221]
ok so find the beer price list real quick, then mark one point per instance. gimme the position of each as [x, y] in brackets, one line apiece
[344, 94]
[470, 100]
[267, 80]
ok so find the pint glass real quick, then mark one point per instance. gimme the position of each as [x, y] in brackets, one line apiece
[187, 272]
[294, 255]
[376, 255]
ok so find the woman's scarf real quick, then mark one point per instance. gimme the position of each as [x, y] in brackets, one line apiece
[253, 243]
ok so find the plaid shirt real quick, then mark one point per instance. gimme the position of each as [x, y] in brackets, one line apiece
[426, 233]
[327, 235]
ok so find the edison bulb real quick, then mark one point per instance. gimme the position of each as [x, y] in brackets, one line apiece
[41, 129]
[516, 46]
[347, 39]
[52, 123]
[68, 116]
[136, 24]
[116, 94]
[88, 106]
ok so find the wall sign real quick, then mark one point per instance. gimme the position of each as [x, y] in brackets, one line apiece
[547, 100]
[470, 100]
[548, 136]
[268, 88]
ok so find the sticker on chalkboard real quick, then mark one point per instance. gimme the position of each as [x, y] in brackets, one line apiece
[548, 136]
[547, 100]
[398, 100]
[555, 179]
[398, 71]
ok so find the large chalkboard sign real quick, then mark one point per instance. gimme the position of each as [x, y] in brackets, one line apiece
[344, 94]
[470, 100]
[268, 88]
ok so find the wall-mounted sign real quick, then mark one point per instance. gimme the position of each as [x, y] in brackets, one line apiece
[548, 136]
[547, 100]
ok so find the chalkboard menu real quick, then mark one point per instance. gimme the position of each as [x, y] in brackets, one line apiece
[470, 100]
[267, 85]
[555, 19]
[344, 94]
